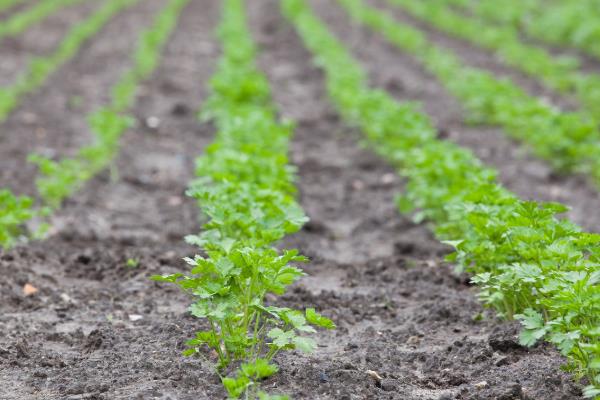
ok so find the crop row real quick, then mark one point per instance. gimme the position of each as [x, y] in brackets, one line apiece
[561, 74]
[245, 188]
[40, 69]
[39, 11]
[61, 178]
[569, 141]
[563, 23]
[529, 264]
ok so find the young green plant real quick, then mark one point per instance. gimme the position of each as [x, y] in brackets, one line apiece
[245, 188]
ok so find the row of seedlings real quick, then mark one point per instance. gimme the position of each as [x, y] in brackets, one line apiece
[245, 189]
[559, 73]
[22, 21]
[570, 24]
[569, 141]
[529, 264]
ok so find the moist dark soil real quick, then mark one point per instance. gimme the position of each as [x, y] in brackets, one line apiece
[97, 327]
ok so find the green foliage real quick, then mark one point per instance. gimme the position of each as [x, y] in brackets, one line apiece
[30, 16]
[245, 188]
[14, 212]
[569, 141]
[40, 68]
[59, 179]
[530, 264]
[132, 263]
[564, 23]
[559, 73]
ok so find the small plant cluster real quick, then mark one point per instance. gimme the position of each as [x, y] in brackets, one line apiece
[565, 23]
[39, 11]
[530, 265]
[40, 69]
[14, 212]
[569, 141]
[559, 73]
[245, 188]
[59, 179]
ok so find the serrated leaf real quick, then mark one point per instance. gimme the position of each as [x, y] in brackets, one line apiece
[305, 344]
[317, 319]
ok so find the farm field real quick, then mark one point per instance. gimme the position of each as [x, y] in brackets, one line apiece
[160, 160]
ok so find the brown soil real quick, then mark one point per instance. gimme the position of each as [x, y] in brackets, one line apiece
[97, 329]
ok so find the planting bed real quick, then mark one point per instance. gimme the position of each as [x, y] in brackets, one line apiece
[408, 327]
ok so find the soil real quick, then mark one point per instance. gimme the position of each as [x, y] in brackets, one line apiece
[408, 327]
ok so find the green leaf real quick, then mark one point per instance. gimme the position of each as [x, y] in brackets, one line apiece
[317, 319]
[534, 327]
[305, 344]
[281, 338]
[172, 278]
[236, 386]
[259, 370]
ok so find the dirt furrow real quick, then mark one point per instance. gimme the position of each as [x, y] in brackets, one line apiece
[38, 40]
[400, 310]
[405, 78]
[52, 121]
[98, 327]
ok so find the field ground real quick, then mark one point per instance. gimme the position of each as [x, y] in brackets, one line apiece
[100, 329]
